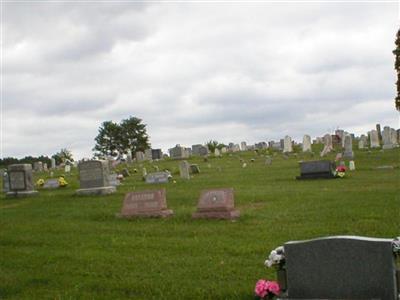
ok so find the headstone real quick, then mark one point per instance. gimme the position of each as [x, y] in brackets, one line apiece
[53, 163]
[179, 152]
[243, 146]
[184, 169]
[387, 138]
[51, 184]
[113, 179]
[67, 169]
[287, 144]
[45, 168]
[194, 169]
[125, 172]
[6, 182]
[199, 150]
[306, 143]
[157, 177]
[352, 165]
[379, 132]
[327, 145]
[340, 134]
[363, 142]
[216, 204]
[20, 179]
[148, 154]
[38, 166]
[224, 150]
[268, 160]
[139, 155]
[374, 139]
[151, 203]
[341, 267]
[94, 178]
[348, 147]
[144, 173]
[217, 153]
[339, 156]
[156, 154]
[317, 169]
[393, 137]
[129, 158]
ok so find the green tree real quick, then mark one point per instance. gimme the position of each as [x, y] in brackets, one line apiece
[212, 145]
[396, 52]
[63, 155]
[134, 135]
[108, 140]
[115, 139]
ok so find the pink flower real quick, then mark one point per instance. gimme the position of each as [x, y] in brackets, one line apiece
[261, 289]
[341, 169]
[273, 287]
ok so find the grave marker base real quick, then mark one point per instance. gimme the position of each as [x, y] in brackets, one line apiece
[225, 215]
[21, 194]
[96, 191]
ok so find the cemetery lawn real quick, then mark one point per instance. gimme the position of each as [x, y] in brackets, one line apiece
[61, 246]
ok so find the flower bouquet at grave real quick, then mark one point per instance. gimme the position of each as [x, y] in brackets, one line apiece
[266, 289]
[40, 182]
[340, 171]
[62, 182]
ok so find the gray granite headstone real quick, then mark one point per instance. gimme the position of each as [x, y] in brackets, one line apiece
[341, 267]
[386, 138]
[20, 179]
[316, 169]
[287, 144]
[348, 147]
[157, 177]
[94, 178]
[6, 183]
[306, 143]
[184, 170]
[53, 163]
[374, 139]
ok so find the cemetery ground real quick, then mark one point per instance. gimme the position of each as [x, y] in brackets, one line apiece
[61, 246]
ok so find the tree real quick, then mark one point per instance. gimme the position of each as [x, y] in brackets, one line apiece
[108, 140]
[134, 136]
[212, 145]
[116, 139]
[63, 156]
[396, 52]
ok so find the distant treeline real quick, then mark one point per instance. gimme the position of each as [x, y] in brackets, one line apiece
[26, 160]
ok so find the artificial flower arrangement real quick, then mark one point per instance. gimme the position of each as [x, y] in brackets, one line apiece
[340, 171]
[267, 289]
[62, 182]
[40, 182]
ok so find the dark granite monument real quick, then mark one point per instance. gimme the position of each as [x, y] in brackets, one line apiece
[20, 181]
[340, 267]
[317, 169]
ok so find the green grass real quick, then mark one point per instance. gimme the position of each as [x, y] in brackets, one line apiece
[61, 246]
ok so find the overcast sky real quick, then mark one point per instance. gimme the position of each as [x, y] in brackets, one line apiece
[193, 71]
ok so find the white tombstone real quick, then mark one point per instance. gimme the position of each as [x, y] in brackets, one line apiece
[287, 144]
[243, 146]
[387, 138]
[393, 137]
[348, 147]
[352, 165]
[327, 144]
[374, 139]
[53, 163]
[306, 143]
[217, 153]
[184, 169]
[224, 150]
[67, 169]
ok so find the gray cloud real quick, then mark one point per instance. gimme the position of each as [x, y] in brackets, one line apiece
[194, 71]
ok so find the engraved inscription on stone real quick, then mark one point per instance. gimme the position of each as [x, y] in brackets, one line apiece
[216, 200]
[149, 203]
[17, 180]
[91, 174]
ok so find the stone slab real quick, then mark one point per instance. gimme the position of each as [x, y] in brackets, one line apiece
[216, 204]
[341, 267]
[96, 191]
[316, 169]
[157, 177]
[149, 203]
[51, 184]
[21, 194]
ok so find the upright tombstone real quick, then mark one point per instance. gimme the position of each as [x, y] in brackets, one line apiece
[287, 144]
[139, 156]
[386, 138]
[217, 153]
[224, 150]
[6, 182]
[216, 204]
[156, 154]
[306, 143]
[243, 146]
[45, 168]
[179, 152]
[184, 169]
[67, 169]
[38, 166]
[94, 178]
[348, 147]
[374, 139]
[393, 137]
[379, 132]
[363, 142]
[53, 163]
[129, 158]
[148, 155]
[327, 145]
[20, 179]
[150, 203]
[194, 169]
[340, 267]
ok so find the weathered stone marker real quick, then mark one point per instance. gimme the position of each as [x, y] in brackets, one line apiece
[150, 203]
[216, 204]
[94, 178]
[20, 181]
[184, 169]
[51, 184]
[157, 177]
[341, 267]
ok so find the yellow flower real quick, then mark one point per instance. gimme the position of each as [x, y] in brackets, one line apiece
[40, 182]
[62, 182]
